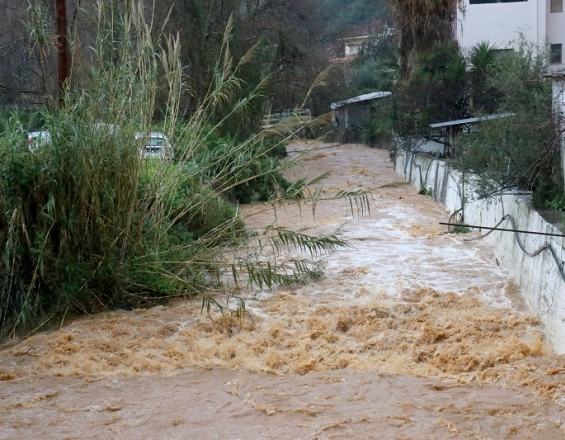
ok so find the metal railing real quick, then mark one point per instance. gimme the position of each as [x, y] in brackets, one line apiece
[274, 118]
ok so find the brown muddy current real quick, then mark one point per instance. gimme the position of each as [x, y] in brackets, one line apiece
[413, 334]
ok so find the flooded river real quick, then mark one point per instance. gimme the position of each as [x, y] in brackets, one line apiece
[413, 334]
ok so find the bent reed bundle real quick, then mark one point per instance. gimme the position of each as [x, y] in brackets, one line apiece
[86, 224]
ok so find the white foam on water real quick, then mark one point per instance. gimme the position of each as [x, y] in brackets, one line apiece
[389, 260]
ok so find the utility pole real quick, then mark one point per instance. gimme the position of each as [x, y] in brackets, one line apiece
[62, 48]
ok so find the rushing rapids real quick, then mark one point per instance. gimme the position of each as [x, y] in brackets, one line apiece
[413, 333]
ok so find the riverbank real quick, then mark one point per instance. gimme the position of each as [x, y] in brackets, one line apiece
[534, 261]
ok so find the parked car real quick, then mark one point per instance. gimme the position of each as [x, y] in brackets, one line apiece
[154, 144]
[36, 139]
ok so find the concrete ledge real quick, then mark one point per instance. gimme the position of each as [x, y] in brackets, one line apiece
[539, 277]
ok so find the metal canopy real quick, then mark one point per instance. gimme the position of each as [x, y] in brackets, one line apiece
[471, 120]
[360, 98]
[555, 74]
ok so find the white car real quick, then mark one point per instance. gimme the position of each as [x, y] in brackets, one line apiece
[154, 144]
[36, 139]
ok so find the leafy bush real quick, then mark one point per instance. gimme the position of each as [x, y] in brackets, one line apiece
[86, 224]
[245, 173]
[376, 67]
[557, 203]
[371, 75]
[380, 126]
[483, 95]
[437, 91]
[521, 150]
[211, 210]
[515, 152]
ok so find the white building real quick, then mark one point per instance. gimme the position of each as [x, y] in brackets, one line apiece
[502, 22]
[354, 45]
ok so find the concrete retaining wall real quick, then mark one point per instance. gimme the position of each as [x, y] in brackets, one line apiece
[539, 277]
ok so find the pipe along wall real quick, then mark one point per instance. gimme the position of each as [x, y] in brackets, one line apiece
[535, 261]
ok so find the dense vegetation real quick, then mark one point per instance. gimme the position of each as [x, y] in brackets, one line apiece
[433, 81]
[521, 151]
[86, 224]
[293, 38]
[344, 18]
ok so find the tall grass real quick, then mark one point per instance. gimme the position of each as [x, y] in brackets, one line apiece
[86, 224]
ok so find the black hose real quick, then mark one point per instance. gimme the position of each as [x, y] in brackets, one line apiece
[546, 246]
[508, 217]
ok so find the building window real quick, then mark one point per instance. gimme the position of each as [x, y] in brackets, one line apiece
[479, 2]
[556, 6]
[556, 54]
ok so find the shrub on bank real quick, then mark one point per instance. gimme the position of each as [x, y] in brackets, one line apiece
[87, 224]
[245, 174]
[520, 151]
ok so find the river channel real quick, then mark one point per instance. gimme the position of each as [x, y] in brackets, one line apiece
[413, 333]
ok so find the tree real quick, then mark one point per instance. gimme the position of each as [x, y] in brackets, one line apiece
[420, 24]
[482, 60]
[437, 90]
[294, 35]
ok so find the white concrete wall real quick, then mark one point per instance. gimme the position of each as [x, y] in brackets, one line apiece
[539, 277]
[502, 23]
[353, 45]
[558, 91]
[352, 49]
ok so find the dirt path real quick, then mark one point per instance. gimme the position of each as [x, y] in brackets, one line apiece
[413, 334]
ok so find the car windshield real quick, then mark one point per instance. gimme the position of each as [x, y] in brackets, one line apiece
[39, 134]
[157, 142]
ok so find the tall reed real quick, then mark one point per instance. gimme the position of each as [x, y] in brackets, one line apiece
[86, 224]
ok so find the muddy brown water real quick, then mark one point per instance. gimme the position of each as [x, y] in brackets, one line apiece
[413, 334]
